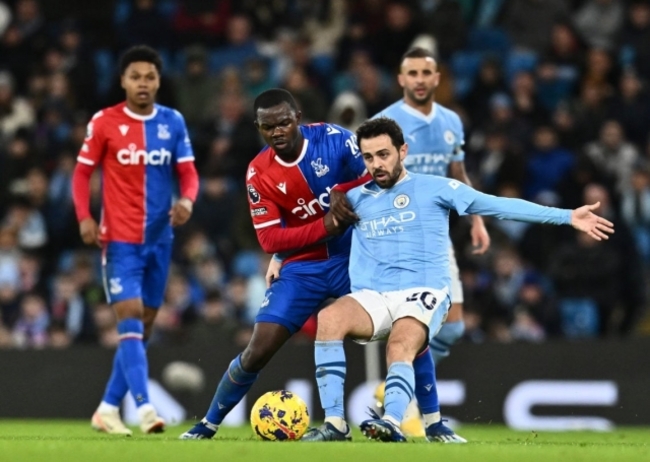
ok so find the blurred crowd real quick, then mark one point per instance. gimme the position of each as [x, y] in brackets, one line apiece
[553, 95]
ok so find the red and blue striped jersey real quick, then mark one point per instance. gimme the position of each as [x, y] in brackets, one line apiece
[137, 155]
[294, 194]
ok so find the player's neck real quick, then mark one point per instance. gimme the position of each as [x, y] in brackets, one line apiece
[140, 110]
[293, 155]
[424, 108]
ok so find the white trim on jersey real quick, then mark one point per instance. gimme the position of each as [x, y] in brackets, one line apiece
[267, 224]
[415, 113]
[297, 161]
[84, 160]
[185, 159]
[135, 116]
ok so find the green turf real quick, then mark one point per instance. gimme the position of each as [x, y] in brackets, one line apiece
[74, 441]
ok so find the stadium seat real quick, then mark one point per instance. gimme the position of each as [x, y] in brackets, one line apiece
[491, 41]
[246, 264]
[105, 65]
[579, 317]
[464, 67]
[518, 61]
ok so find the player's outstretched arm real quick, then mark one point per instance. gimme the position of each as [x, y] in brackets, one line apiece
[583, 219]
[467, 200]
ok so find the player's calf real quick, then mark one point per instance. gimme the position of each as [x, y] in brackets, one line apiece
[449, 334]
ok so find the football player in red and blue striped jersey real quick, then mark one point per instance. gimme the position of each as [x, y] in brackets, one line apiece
[139, 146]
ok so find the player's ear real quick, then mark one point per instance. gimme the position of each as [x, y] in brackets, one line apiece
[400, 79]
[403, 151]
[298, 117]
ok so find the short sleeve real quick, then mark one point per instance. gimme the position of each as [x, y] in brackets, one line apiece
[458, 152]
[94, 145]
[183, 151]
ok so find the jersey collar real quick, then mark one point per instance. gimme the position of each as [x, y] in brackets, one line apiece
[135, 116]
[415, 113]
[305, 143]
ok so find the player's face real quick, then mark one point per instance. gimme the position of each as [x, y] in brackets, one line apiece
[419, 78]
[278, 125]
[141, 82]
[383, 160]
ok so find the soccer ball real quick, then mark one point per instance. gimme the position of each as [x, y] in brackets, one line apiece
[279, 416]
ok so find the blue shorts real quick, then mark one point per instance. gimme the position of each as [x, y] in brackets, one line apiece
[136, 271]
[301, 289]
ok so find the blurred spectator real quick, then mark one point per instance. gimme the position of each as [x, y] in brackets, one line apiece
[216, 199]
[586, 276]
[444, 20]
[239, 47]
[559, 69]
[590, 111]
[312, 105]
[79, 66]
[528, 22]
[195, 87]
[635, 208]
[397, 34]
[30, 331]
[631, 108]
[27, 222]
[5, 17]
[348, 111]
[145, 25]
[547, 165]
[201, 21]
[613, 155]
[15, 112]
[526, 103]
[635, 37]
[69, 310]
[599, 22]
[229, 141]
[489, 83]
[632, 286]
[24, 40]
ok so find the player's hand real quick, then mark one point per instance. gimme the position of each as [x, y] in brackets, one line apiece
[341, 208]
[585, 220]
[89, 232]
[480, 236]
[332, 225]
[273, 272]
[181, 211]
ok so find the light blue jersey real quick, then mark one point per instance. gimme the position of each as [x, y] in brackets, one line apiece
[401, 239]
[434, 140]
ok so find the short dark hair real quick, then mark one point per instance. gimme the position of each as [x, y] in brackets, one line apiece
[417, 52]
[381, 126]
[140, 53]
[273, 97]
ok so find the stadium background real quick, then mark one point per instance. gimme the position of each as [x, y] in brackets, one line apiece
[553, 96]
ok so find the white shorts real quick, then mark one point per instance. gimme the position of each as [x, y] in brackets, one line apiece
[456, 288]
[427, 305]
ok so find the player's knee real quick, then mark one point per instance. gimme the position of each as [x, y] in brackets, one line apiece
[129, 309]
[331, 325]
[254, 359]
[397, 351]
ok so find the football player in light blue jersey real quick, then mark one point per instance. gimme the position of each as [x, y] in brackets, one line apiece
[399, 277]
[435, 138]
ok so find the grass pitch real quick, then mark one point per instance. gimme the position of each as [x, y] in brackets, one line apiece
[74, 441]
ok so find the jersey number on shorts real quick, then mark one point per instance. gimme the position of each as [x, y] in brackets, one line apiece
[427, 298]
